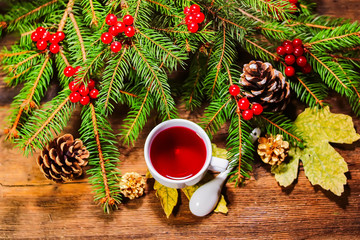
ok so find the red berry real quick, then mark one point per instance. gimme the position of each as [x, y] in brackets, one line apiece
[69, 71]
[293, 1]
[111, 19]
[243, 103]
[301, 61]
[40, 31]
[46, 36]
[194, 8]
[54, 39]
[193, 27]
[290, 59]
[307, 69]
[280, 50]
[114, 30]
[257, 109]
[287, 42]
[106, 38]
[190, 19]
[186, 10]
[115, 47]
[94, 93]
[298, 51]
[289, 71]
[289, 49]
[121, 27]
[234, 90]
[128, 20]
[247, 114]
[75, 97]
[83, 90]
[77, 69]
[35, 36]
[41, 45]
[130, 31]
[74, 86]
[60, 35]
[54, 48]
[85, 100]
[91, 84]
[297, 42]
[199, 17]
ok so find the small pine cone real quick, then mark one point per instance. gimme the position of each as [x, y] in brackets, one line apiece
[263, 84]
[132, 185]
[272, 150]
[62, 160]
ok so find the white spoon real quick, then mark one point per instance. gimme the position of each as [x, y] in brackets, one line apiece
[205, 198]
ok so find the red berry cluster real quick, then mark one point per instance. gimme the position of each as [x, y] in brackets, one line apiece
[41, 36]
[117, 27]
[79, 91]
[193, 18]
[294, 53]
[247, 111]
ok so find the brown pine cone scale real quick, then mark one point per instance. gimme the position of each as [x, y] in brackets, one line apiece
[62, 160]
[263, 84]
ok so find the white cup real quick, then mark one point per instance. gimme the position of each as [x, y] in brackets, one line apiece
[211, 163]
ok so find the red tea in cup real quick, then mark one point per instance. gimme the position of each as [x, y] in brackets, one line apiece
[177, 153]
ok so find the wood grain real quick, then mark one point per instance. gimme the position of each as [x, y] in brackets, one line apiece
[32, 207]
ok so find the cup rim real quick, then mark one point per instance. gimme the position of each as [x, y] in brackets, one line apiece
[183, 123]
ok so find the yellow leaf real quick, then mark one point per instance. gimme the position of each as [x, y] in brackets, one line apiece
[221, 207]
[219, 152]
[148, 174]
[286, 173]
[322, 164]
[168, 197]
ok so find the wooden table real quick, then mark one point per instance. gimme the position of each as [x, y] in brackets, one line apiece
[32, 207]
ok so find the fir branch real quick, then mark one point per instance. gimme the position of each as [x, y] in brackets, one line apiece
[137, 10]
[65, 15]
[266, 54]
[215, 115]
[14, 53]
[104, 156]
[324, 66]
[33, 11]
[313, 95]
[78, 33]
[14, 68]
[250, 16]
[94, 18]
[282, 129]
[112, 80]
[239, 176]
[218, 67]
[150, 73]
[101, 157]
[64, 57]
[45, 123]
[15, 80]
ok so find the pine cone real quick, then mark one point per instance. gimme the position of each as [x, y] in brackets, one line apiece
[263, 84]
[132, 185]
[273, 150]
[62, 160]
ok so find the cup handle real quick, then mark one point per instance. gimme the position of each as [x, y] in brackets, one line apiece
[218, 164]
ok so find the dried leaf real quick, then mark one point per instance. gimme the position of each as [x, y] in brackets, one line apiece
[222, 206]
[219, 152]
[148, 174]
[322, 164]
[286, 173]
[168, 197]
